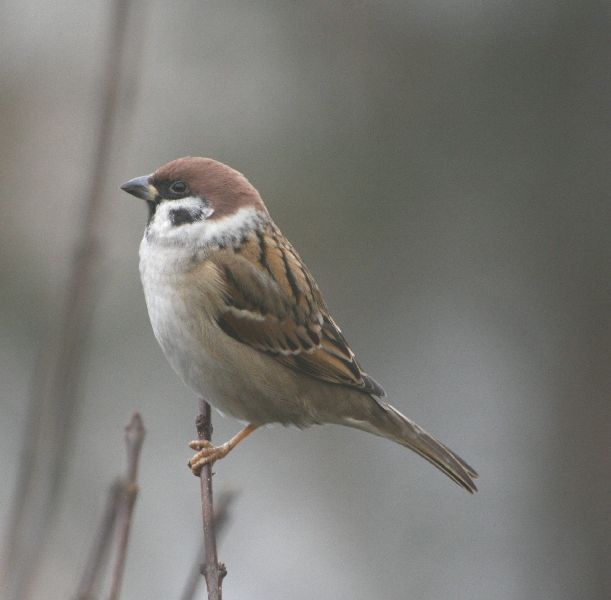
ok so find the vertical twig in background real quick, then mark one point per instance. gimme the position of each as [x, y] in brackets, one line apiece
[120, 506]
[134, 436]
[99, 552]
[212, 570]
[53, 402]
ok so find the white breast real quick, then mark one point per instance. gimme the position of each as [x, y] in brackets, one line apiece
[236, 379]
[178, 331]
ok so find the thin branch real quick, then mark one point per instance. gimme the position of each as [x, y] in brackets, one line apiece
[221, 518]
[134, 437]
[212, 570]
[99, 553]
[120, 503]
[54, 396]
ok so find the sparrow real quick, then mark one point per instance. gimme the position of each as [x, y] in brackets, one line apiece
[243, 323]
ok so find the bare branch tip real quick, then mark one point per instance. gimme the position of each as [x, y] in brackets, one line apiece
[135, 430]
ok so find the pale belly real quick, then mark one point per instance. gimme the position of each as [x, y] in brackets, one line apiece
[235, 379]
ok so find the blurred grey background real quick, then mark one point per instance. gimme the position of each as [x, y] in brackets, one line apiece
[443, 168]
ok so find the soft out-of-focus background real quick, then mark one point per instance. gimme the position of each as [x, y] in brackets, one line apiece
[443, 167]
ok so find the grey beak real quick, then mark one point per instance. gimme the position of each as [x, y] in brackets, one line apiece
[141, 188]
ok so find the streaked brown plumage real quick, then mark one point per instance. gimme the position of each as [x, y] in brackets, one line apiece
[293, 326]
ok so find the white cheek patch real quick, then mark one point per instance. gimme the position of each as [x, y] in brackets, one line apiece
[228, 229]
[185, 222]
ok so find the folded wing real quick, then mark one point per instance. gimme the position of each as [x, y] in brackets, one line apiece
[272, 304]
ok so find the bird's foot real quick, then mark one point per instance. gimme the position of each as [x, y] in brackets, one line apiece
[208, 454]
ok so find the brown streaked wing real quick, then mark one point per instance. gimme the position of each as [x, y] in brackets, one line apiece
[273, 305]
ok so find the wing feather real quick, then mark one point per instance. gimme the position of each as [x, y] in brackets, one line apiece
[271, 303]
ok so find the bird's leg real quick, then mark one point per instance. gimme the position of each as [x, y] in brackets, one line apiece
[210, 454]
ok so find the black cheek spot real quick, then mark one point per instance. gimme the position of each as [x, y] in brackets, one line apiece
[182, 216]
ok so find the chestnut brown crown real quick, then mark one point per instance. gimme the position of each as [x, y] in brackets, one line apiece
[226, 189]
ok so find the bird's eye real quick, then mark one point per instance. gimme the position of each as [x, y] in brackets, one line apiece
[179, 187]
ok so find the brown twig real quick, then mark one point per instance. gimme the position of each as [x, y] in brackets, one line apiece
[212, 570]
[134, 437]
[54, 396]
[221, 518]
[97, 558]
[120, 504]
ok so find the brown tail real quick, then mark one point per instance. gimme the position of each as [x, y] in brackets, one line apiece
[389, 423]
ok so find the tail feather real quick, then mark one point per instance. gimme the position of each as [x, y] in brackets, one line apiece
[389, 423]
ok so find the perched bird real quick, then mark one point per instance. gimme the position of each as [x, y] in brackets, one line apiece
[242, 321]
